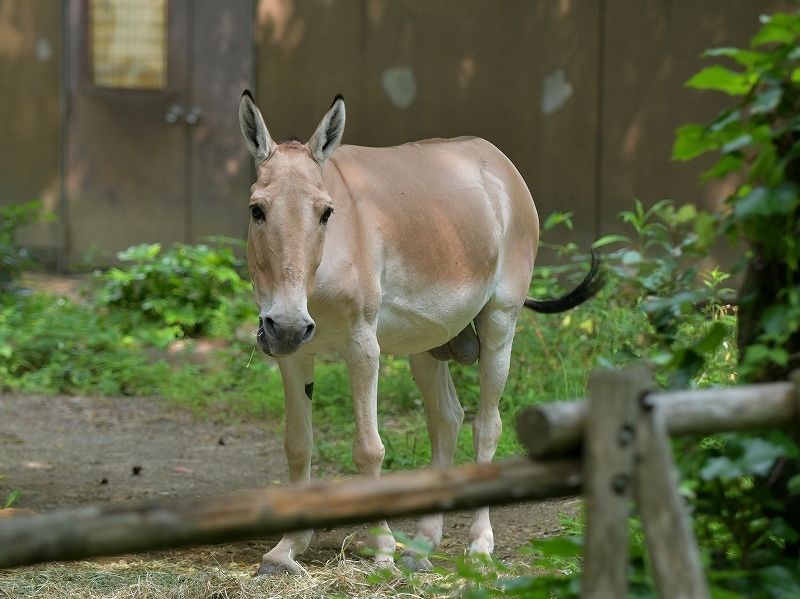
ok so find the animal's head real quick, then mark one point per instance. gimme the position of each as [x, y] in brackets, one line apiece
[289, 212]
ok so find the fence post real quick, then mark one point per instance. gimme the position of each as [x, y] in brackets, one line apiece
[671, 544]
[609, 455]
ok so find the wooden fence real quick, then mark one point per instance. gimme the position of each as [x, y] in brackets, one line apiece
[613, 448]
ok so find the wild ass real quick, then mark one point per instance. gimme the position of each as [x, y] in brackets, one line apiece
[363, 251]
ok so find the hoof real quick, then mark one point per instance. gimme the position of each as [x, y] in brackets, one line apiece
[481, 547]
[414, 562]
[270, 568]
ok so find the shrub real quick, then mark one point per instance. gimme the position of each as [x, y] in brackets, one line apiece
[49, 344]
[13, 257]
[759, 137]
[188, 290]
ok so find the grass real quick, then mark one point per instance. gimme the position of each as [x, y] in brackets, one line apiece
[51, 345]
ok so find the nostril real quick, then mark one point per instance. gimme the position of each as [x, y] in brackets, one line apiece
[269, 327]
[309, 332]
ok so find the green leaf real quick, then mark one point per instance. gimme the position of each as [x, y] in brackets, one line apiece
[662, 358]
[720, 467]
[559, 546]
[746, 58]
[759, 456]
[724, 80]
[680, 303]
[776, 318]
[737, 144]
[713, 339]
[692, 141]
[725, 119]
[766, 166]
[764, 201]
[705, 227]
[793, 485]
[631, 257]
[780, 528]
[751, 204]
[557, 218]
[780, 582]
[727, 164]
[12, 498]
[607, 239]
[767, 100]
[718, 593]
[141, 252]
[686, 213]
[778, 28]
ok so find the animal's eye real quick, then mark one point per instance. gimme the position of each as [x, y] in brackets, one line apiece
[323, 220]
[257, 212]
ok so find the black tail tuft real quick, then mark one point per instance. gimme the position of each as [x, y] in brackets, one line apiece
[593, 282]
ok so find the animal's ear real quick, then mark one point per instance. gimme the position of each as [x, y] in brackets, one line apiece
[329, 133]
[254, 131]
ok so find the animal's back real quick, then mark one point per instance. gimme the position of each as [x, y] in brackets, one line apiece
[437, 220]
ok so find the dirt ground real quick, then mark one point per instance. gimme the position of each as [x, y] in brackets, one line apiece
[65, 452]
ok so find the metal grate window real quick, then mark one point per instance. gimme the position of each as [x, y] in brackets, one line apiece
[129, 43]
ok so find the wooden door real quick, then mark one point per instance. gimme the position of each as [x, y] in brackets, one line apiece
[152, 147]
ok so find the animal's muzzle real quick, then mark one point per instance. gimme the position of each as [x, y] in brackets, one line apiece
[282, 339]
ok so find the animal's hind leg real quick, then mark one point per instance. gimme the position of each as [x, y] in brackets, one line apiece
[297, 372]
[445, 416]
[495, 326]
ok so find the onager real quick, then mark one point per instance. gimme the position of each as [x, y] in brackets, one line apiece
[363, 251]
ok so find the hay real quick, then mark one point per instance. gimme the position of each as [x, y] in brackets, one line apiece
[139, 579]
[184, 574]
[136, 578]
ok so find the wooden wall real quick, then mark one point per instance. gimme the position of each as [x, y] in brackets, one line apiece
[30, 110]
[583, 95]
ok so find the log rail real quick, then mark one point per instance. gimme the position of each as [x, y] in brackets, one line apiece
[96, 531]
[557, 428]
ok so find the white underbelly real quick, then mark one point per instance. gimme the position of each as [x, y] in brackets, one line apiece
[409, 327]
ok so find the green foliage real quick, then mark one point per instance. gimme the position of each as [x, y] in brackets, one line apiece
[739, 506]
[13, 257]
[480, 577]
[687, 307]
[189, 290]
[741, 485]
[682, 324]
[52, 345]
[759, 138]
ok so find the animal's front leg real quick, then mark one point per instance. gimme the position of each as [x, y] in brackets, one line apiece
[362, 365]
[297, 372]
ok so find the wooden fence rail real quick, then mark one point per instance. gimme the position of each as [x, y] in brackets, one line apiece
[96, 531]
[557, 428]
[622, 432]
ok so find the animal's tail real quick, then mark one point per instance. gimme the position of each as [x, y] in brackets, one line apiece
[592, 283]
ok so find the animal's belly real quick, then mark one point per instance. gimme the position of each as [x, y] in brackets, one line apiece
[412, 326]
